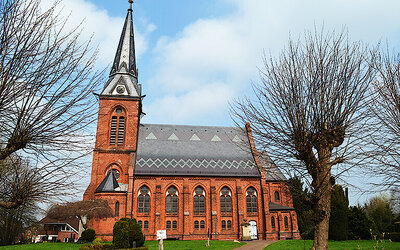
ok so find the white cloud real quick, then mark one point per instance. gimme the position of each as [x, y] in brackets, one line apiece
[105, 29]
[227, 50]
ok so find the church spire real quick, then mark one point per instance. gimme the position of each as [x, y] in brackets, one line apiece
[124, 76]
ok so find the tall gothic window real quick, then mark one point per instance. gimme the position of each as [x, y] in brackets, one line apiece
[251, 200]
[226, 204]
[199, 200]
[117, 209]
[117, 130]
[276, 195]
[172, 200]
[144, 200]
[273, 222]
[286, 222]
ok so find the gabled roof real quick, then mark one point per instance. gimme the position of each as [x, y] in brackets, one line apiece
[194, 151]
[72, 222]
[109, 184]
[278, 207]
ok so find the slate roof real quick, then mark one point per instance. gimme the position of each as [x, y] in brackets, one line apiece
[109, 184]
[278, 207]
[194, 151]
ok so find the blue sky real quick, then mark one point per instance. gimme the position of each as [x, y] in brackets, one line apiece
[194, 57]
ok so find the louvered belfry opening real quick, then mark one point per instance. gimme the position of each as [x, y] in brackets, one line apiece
[117, 131]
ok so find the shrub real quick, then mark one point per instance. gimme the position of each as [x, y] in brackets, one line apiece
[97, 247]
[125, 232]
[121, 234]
[97, 241]
[87, 236]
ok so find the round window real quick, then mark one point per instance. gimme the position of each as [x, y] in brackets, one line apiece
[118, 110]
[120, 89]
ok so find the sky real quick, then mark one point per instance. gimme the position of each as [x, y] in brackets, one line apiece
[195, 57]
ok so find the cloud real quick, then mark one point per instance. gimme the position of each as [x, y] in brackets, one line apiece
[227, 50]
[105, 29]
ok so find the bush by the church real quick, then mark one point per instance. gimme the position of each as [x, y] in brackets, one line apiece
[127, 234]
[87, 236]
[98, 247]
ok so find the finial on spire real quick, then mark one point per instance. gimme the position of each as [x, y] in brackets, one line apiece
[130, 4]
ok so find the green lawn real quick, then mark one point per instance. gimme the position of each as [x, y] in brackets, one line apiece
[347, 245]
[153, 245]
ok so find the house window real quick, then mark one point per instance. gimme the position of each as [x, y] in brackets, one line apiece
[196, 224]
[172, 200]
[117, 209]
[202, 224]
[174, 224]
[168, 224]
[229, 224]
[144, 200]
[146, 224]
[251, 200]
[223, 224]
[276, 195]
[65, 228]
[140, 223]
[199, 201]
[273, 222]
[286, 222]
[226, 204]
[117, 130]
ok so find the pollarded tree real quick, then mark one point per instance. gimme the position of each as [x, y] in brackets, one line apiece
[307, 114]
[386, 110]
[84, 210]
[46, 81]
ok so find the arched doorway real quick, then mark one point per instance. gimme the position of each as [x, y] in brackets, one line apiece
[253, 230]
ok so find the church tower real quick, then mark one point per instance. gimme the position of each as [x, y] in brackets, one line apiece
[117, 131]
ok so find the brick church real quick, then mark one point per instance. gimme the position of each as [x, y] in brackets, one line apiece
[189, 180]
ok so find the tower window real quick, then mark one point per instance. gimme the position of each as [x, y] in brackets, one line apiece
[121, 129]
[277, 196]
[113, 130]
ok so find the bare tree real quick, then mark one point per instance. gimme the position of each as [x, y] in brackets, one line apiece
[46, 81]
[84, 210]
[308, 113]
[386, 110]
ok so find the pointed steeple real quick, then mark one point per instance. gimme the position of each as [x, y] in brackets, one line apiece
[123, 79]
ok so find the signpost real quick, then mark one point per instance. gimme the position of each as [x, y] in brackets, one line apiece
[161, 235]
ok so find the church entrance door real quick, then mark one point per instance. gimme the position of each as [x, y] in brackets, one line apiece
[253, 229]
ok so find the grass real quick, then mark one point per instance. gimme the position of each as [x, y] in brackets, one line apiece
[347, 245]
[152, 244]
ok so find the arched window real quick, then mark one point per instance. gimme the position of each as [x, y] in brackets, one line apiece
[229, 224]
[202, 224]
[199, 200]
[146, 224]
[117, 209]
[140, 223]
[172, 200]
[196, 224]
[251, 200]
[144, 200]
[276, 195]
[174, 224]
[273, 222]
[117, 130]
[286, 222]
[168, 224]
[226, 204]
[223, 224]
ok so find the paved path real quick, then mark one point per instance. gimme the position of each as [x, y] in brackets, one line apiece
[255, 245]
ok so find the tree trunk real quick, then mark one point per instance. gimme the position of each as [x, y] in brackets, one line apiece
[322, 203]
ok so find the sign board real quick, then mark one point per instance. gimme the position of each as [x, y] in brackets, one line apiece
[161, 234]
